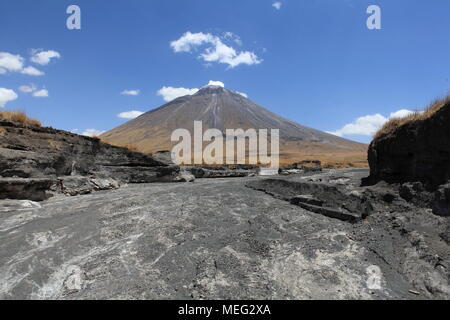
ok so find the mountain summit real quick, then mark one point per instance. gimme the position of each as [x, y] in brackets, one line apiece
[223, 109]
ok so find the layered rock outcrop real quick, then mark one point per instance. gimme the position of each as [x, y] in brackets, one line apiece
[36, 162]
[416, 150]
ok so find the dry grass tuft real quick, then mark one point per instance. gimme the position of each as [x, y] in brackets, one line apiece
[394, 124]
[19, 117]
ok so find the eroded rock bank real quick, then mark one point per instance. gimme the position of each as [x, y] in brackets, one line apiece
[36, 162]
[415, 153]
[408, 237]
[417, 150]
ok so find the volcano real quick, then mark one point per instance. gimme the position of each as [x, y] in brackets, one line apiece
[223, 109]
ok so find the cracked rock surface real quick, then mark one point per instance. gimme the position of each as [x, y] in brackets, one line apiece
[216, 239]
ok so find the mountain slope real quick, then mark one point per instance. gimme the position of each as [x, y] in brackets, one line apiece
[223, 109]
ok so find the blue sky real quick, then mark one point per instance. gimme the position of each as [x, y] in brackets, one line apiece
[314, 62]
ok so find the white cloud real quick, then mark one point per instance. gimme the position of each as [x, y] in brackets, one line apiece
[171, 93]
[369, 125]
[216, 50]
[190, 40]
[28, 88]
[277, 5]
[401, 114]
[366, 126]
[43, 57]
[130, 92]
[233, 37]
[43, 93]
[10, 62]
[216, 83]
[130, 114]
[6, 95]
[15, 63]
[32, 71]
[222, 53]
[92, 132]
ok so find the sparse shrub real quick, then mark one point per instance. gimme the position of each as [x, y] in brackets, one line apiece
[19, 117]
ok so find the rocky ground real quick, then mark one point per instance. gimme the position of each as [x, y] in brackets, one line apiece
[230, 238]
